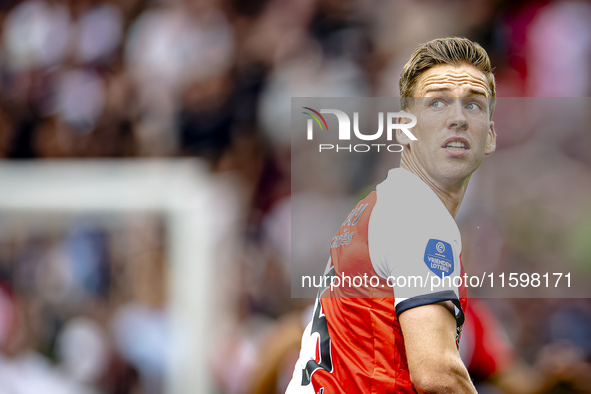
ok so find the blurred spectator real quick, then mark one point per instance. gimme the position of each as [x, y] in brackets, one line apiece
[80, 99]
[82, 351]
[562, 30]
[99, 33]
[36, 35]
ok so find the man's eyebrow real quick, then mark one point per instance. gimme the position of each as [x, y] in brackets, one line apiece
[478, 92]
[431, 90]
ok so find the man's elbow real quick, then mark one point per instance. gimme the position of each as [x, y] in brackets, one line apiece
[441, 379]
[430, 383]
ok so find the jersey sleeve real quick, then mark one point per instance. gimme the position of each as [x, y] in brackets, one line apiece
[425, 270]
[414, 244]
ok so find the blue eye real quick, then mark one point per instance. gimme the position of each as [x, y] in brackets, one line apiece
[437, 103]
[473, 106]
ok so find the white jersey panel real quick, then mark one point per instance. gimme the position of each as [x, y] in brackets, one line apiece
[413, 237]
[308, 344]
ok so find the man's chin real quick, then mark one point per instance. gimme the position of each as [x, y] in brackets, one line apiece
[455, 172]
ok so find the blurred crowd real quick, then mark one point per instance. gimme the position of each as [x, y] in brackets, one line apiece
[83, 306]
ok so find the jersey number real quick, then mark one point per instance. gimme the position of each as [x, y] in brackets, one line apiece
[323, 358]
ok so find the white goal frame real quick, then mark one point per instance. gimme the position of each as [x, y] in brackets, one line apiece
[179, 190]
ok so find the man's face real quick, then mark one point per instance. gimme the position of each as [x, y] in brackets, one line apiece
[454, 131]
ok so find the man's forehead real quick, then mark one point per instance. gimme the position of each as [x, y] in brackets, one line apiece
[464, 79]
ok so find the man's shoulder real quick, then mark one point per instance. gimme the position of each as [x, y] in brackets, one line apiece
[406, 194]
[408, 212]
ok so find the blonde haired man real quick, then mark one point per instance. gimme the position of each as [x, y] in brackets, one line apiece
[385, 338]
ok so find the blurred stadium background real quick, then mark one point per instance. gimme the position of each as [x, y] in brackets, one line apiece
[145, 185]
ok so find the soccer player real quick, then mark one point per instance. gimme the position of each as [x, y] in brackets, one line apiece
[400, 335]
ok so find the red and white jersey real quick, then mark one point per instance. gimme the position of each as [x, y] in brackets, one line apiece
[391, 246]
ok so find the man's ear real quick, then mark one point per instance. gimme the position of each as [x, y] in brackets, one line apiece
[401, 136]
[491, 140]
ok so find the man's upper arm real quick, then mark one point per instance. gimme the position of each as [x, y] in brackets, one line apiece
[433, 360]
[429, 332]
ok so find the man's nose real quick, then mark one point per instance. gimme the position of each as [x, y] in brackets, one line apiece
[457, 119]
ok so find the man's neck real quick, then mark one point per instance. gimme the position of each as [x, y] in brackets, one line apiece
[450, 194]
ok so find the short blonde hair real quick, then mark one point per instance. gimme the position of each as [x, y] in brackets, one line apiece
[449, 50]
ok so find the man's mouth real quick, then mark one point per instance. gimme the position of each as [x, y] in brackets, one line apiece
[456, 145]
